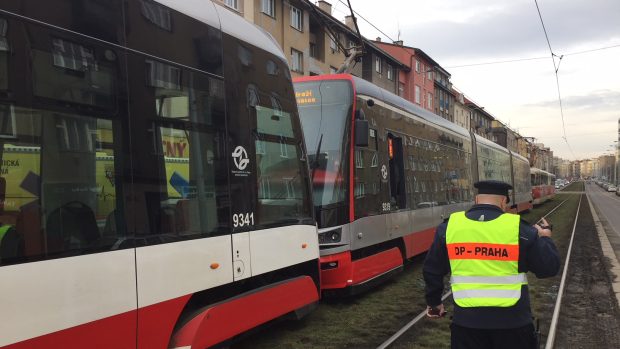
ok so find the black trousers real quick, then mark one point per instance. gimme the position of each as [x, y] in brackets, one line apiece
[474, 338]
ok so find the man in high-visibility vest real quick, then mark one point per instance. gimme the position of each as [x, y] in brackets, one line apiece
[488, 253]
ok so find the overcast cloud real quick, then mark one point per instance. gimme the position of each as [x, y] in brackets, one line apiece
[522, 94]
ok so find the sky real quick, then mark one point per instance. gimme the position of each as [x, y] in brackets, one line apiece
[522, 94]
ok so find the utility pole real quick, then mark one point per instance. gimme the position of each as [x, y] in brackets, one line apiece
[354, 52]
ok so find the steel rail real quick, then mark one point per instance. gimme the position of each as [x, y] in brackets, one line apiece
[558, 302]
[420, 316]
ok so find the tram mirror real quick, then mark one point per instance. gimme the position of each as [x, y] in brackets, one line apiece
[361, 133]
[370, 102]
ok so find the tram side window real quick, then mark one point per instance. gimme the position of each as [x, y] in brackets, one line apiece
[269, 169]
[60, 162]
[178, 157]
[367, 178]
[280, 188]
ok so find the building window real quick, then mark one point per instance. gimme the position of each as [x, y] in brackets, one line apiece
[429, 101]
[417, 66]
[313, 51]
[234, 4]
[390, 72]
[333, 45]
[297, 17]
[268, 7]
[378, 64]
[297, 61]
[429, 74]
[417, 94]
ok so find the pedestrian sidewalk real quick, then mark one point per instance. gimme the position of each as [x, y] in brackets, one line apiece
[609, 252]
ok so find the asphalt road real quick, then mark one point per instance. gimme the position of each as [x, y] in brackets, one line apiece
[608, 207]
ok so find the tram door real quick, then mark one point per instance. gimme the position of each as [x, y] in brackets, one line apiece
[398, 221]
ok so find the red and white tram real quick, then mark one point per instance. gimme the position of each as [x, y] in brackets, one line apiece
[153, 182]
[543, 185]
[385, 174]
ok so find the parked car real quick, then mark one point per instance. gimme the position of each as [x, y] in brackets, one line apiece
[612, 188]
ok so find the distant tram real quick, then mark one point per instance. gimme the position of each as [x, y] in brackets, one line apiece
[385, 173]
[154, 186]
[543, 185]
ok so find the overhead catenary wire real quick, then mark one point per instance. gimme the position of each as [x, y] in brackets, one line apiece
[513, 60]
[557, 79]
[553, 57]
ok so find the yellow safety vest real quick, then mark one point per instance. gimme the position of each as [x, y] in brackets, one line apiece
[484, 259]
[3, 230]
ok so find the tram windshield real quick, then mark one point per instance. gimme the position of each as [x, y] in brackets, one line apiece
[324, 108]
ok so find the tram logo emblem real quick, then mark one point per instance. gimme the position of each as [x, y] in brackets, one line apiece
[240, 157]
[384, 172]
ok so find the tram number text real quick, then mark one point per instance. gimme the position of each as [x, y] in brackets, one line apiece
[243, 219]
[386, 206]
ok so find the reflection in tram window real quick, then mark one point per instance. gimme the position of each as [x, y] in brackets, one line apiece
[156, 14]
[4, 54]
[73, 72]
[179, 183]
[60, 171]
[279, 184]
[73, 200]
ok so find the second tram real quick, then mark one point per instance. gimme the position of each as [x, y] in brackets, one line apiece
[543, 185]
[385, 173]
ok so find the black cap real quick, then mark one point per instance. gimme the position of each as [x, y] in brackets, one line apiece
[493, 187]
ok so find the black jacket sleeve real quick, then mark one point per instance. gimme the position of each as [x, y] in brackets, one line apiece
[436, 266]
[541, 255]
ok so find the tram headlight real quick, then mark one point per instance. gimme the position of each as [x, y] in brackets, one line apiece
[330, 237]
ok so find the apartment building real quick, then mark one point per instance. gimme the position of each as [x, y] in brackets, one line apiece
[462, 114]
[304, 31]
[444, 98]
[480, 119]
[416, 82]
[503, 135]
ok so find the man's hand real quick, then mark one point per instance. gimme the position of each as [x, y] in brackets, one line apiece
[544, 229]
[436, 311]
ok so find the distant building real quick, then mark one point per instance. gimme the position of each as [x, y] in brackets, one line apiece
[541, 157]
[462, 114]
[504, 136]
[444, 99]
[606, 167]
[561, 167]
[481, 120]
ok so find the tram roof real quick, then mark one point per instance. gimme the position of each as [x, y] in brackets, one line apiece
[228, 22]
[490, 144]
[519, 156]
[364, 87]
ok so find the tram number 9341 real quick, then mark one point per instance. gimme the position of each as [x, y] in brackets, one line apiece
[243, 219]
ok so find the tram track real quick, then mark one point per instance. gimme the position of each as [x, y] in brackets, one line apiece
[364, 321]
[422, 314]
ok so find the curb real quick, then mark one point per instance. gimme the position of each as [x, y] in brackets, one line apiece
[608, 252]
